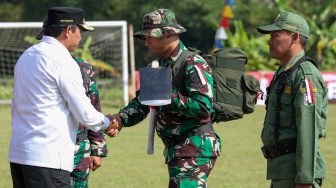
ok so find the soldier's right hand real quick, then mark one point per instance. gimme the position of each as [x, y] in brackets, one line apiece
[116, 120]
[115, 125]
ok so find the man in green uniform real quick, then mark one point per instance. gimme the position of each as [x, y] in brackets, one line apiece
[191, 143]
[296, 117]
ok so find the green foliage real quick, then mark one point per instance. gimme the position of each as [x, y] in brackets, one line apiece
[10, 12]
[256, 49]
[201, 19]
[6, 88]
[85, 54]
[320, 17]
[98, 65]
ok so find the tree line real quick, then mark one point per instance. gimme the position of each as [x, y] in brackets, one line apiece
[201, 18]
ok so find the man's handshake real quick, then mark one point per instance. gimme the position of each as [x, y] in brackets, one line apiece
[115, 125]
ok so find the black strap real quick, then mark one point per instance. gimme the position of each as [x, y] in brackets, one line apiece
[284, 77]
[178, 65]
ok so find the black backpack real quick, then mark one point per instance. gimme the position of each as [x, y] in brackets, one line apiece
[235, 93]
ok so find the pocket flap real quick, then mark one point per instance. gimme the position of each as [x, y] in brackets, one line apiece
[251, 83]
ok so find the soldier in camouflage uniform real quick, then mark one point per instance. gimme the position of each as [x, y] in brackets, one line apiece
[191, 143]
[90, 146]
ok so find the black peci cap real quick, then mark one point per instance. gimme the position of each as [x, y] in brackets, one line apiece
[65, 16]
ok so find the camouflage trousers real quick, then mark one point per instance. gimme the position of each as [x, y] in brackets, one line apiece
[190, 172]
[80, 174]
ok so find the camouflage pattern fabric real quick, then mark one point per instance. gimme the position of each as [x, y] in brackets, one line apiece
[95, 143]
[80, 174]
[180, 170]
[159, 23]
[188, 110]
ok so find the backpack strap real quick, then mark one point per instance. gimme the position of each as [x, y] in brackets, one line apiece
[178, 65]
[284, 77]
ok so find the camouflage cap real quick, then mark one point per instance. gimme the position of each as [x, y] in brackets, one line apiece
[159, 23]
[288, 21]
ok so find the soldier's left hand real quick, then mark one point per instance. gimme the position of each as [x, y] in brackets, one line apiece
[95, 162]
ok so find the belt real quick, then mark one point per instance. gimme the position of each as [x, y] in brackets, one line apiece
[174, 140]
[81, 137]
[279, 149]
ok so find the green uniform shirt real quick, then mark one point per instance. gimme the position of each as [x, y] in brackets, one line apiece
[300, 119]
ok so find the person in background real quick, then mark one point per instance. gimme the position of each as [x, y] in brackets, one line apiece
[293, 127]
[90, 146]
[184, 126]
[48, 103]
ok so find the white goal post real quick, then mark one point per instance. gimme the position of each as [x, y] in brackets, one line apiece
[109, 44]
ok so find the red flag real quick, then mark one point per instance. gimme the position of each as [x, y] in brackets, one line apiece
[225, 23]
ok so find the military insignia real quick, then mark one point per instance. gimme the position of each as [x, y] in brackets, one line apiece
[200, 74]
[303, 90]
[277, 18]
[288, 67]
[287, 90]
[309, 96]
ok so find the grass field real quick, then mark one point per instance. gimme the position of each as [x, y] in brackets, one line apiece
[241, 164]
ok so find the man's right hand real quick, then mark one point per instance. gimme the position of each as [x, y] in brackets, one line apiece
[115, 125]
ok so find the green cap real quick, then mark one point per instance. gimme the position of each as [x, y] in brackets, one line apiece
[159, 23]
[288, 21]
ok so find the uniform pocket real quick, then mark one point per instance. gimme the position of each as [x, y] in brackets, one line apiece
[286, 110]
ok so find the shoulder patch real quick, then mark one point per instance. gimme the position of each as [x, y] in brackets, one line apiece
[309, 95]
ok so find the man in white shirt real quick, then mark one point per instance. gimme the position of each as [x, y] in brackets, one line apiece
[48, 103]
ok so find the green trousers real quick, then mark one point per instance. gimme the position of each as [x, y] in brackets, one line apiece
[290, 183]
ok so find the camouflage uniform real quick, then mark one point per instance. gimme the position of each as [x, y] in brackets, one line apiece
[191, 159]
[88, 143]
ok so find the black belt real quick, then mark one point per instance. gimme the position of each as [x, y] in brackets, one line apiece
[173, 141]
[81, 137]
[279, 149]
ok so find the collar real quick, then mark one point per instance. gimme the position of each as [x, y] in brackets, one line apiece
[52, 40]
[174, 55]
[292, 61]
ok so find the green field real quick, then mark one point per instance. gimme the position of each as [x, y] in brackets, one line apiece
[241, 164]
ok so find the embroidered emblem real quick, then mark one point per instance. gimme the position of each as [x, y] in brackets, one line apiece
[288, 90]
[277, 18]
[303, 90]
[287, 67]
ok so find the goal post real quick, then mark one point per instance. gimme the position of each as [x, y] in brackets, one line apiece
[107, 45]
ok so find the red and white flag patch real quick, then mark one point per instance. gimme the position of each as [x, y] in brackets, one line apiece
[200, 74]
[309, 97]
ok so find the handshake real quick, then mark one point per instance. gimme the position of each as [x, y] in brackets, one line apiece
[115, 125]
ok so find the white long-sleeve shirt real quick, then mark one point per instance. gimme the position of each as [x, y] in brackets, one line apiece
[48, 102]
